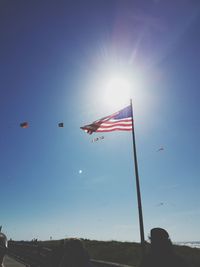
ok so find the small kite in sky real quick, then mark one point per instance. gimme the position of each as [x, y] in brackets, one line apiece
[24, 124]
[61, 124]
[160, 204]
[97, 139]
[160, 149]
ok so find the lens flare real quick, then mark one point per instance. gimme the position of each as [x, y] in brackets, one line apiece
[117, 91]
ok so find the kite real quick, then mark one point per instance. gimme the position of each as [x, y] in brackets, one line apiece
[97, 139]
[160, 149]
[24, 125]
[160, 204]
[61, 124]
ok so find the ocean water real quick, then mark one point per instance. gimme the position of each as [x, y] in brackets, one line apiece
[192, 244]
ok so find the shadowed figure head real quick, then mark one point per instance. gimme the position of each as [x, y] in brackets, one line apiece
[161, 252]
[160, 241]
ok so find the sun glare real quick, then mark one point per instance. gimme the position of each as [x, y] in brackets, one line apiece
[117, 91]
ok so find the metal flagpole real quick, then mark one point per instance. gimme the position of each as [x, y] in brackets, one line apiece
[138, 186]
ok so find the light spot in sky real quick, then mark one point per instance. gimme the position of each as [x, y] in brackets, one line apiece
[80, 171]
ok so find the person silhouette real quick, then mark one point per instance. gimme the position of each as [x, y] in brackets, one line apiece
[161, 252]
[3, 246]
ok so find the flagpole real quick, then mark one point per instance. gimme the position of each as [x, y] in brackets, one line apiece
[138, 185]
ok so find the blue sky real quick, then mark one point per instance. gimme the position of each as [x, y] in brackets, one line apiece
[56, 59]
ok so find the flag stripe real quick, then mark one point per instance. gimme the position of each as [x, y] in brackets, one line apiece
[116, 125]
[114, 129]
[117, 121]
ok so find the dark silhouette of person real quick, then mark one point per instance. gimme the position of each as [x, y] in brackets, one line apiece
[3, 246]
[161, 252]
[75, 255]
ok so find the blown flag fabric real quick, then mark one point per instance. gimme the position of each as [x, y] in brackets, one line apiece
[119, 121]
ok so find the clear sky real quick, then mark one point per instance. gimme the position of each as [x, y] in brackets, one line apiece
[56, 59]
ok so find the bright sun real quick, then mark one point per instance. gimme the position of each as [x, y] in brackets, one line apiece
[117, 91]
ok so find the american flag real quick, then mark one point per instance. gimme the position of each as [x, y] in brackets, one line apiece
[119, 121]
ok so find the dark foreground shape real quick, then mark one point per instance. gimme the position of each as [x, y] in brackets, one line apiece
[3, 246]
[161, 251]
